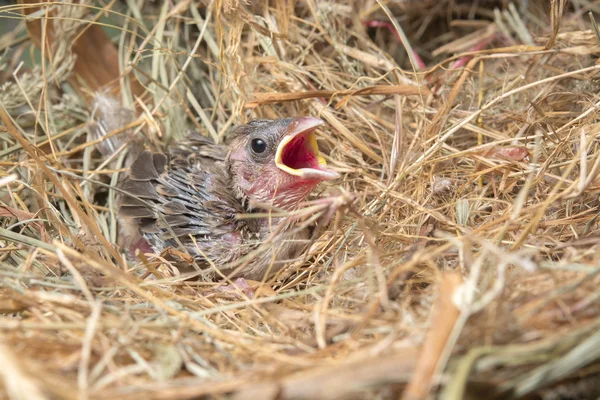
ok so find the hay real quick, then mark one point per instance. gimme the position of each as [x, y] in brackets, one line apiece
[467, 268]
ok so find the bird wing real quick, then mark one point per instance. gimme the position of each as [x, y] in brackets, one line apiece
[185, 194]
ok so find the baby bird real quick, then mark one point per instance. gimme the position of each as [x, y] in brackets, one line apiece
[201, 197]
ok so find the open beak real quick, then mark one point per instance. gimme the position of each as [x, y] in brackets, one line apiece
[298, 152]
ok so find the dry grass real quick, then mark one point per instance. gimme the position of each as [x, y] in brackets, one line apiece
[468, 268]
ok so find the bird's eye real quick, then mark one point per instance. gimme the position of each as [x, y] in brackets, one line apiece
[258, 146]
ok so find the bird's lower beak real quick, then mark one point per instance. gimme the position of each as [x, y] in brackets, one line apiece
[298, 152]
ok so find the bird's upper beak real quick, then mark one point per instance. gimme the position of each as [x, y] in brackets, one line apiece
[298, 152]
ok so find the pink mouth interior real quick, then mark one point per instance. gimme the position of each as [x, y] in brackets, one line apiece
[297, 154]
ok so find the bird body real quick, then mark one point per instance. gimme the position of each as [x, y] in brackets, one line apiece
[210, 200]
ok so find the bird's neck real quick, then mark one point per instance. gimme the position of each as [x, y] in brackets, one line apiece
[279, 197]
[269, 188]
[290, 197]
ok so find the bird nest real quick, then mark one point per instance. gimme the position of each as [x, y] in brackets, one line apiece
[467, 266]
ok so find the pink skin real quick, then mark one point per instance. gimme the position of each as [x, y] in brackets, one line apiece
[239, 285]
[269, 185]
[142, 245]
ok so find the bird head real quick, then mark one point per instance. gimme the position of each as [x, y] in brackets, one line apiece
[277, 161]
